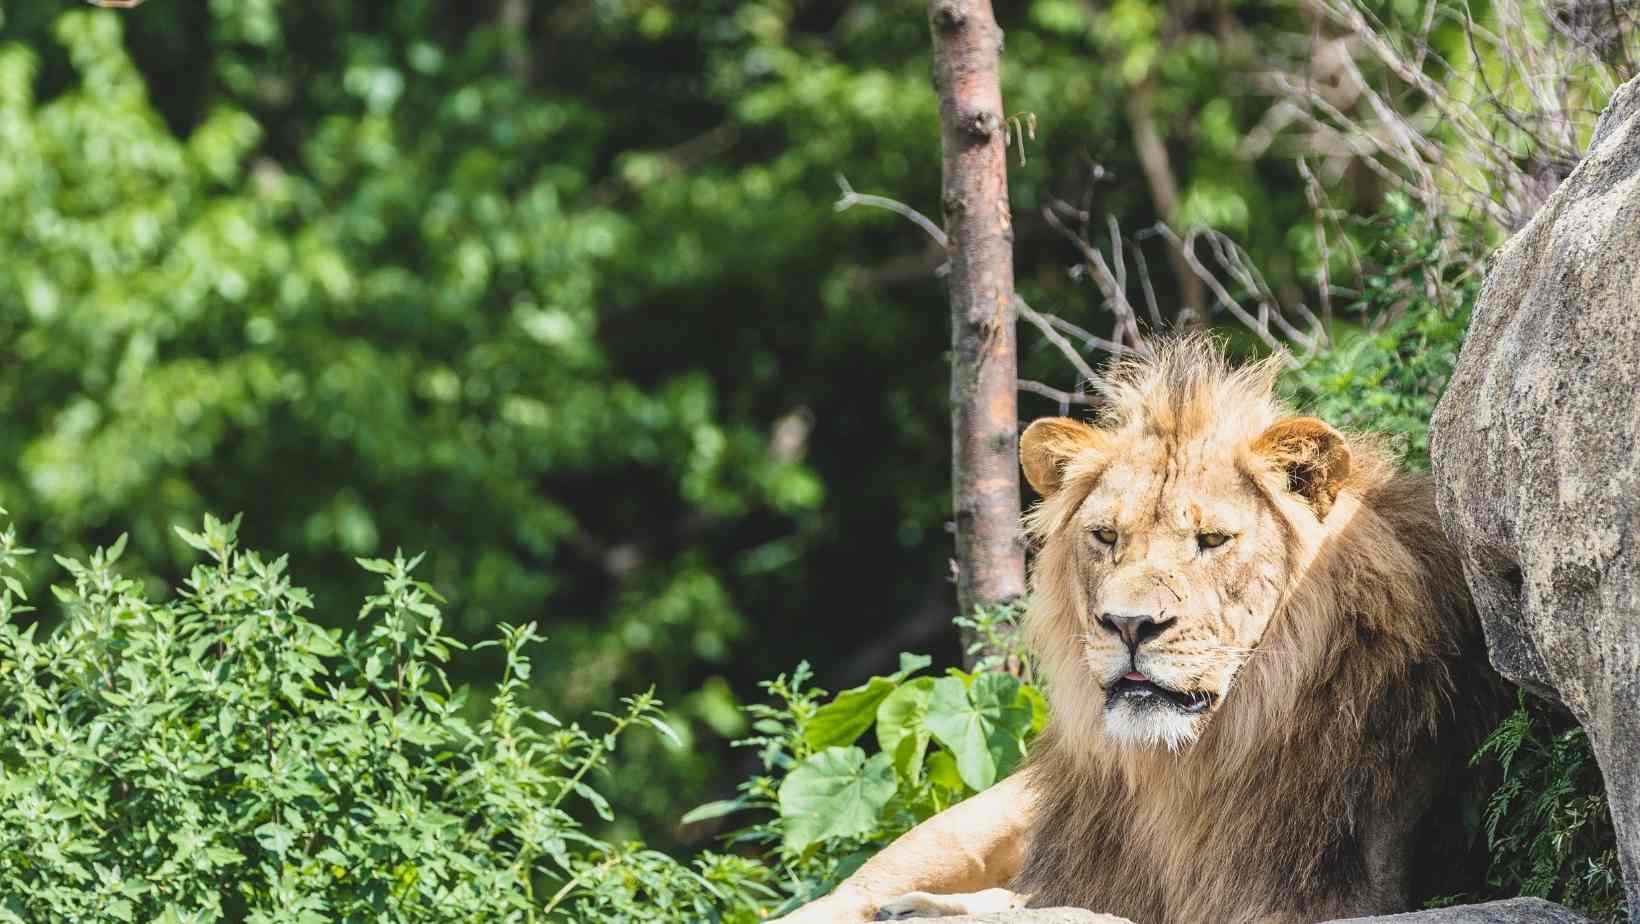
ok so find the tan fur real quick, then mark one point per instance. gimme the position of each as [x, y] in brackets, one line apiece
[1334, 630]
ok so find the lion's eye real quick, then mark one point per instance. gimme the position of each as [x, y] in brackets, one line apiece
[1105, 535]
[1212, 540]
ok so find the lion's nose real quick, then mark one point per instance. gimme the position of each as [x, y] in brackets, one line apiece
[1135, 630]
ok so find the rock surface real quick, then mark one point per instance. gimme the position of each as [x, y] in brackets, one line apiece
[1511, 911]
[1535, 452]
[1033, 916]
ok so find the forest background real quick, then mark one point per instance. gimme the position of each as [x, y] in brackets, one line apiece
[556, 293]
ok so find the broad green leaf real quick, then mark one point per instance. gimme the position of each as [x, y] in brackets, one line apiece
[846, 718]
[836, 793]
[843, 720]
[902, 729]
[981, 725]
[942, 771]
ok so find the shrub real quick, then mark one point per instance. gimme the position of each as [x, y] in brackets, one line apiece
[1548, 822]
[221, 756]
[830, 805]
[1386, 372]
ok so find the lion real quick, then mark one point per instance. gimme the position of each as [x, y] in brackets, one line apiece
[1264, 671]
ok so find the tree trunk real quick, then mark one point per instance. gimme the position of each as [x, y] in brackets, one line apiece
[984, 414]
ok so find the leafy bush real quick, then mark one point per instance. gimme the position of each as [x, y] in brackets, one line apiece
[1386, 372]
[222, 756]
[832, 805]
[1548, 822]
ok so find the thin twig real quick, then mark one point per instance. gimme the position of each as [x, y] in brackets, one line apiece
[1042, 324]
[1312, 192]
[849, 198]
[1063, 397]
[1089, 340]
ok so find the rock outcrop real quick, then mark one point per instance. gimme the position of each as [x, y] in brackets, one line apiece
[1034, 916]
[1536, 449]
[1511, 911]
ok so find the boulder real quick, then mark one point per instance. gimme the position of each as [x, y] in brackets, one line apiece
[1511, 911]
[1536, 450]
[1033, 916]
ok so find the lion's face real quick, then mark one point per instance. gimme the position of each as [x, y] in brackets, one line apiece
[1168, 559]
[1179, 563]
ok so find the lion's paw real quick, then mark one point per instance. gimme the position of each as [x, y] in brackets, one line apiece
[928, 905]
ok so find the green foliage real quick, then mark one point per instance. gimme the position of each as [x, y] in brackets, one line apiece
[1388, 369]
[828, 804]
[1548, 823]
[560, 294]
[222, 756]
[996, 641]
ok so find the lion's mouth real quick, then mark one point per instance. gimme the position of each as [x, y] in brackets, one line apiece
[1138, 690]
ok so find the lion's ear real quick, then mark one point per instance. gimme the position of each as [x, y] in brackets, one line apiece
[1314, 455]
[1046, 445]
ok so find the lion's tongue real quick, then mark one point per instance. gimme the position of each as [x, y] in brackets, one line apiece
[1135, 676]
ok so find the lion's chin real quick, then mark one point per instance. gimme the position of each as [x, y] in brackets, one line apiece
[1142, 713]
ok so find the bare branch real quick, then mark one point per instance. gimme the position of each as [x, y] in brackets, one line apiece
[849, 198]
[1063, 397]
[1089, 340]
[1313, 193]
[1042, 324]
[1127, 324]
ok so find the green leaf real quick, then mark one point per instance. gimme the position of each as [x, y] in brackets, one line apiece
[983, 726]
[193, 539]
[843, 720]
[902, 730]
[711, 810]
[836, 793]
[1039, 707]
[659, 725]
[598, 802]
[911, 663]
[942, 771]
[847, 717]
[275, 837]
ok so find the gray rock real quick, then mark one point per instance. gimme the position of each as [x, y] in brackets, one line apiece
[1033, 916]
[1512, 911]
[1535, 452]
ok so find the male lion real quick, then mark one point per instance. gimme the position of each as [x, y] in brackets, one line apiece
[1265, 673]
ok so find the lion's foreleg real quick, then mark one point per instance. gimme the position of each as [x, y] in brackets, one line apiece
[972, 847]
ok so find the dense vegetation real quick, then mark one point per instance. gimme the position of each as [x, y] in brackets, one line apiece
[557, 297]
[554, 294]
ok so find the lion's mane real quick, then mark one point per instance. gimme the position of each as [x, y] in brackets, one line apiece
[1308, 792]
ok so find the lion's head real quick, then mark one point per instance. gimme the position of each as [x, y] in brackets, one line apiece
[1169, 535]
